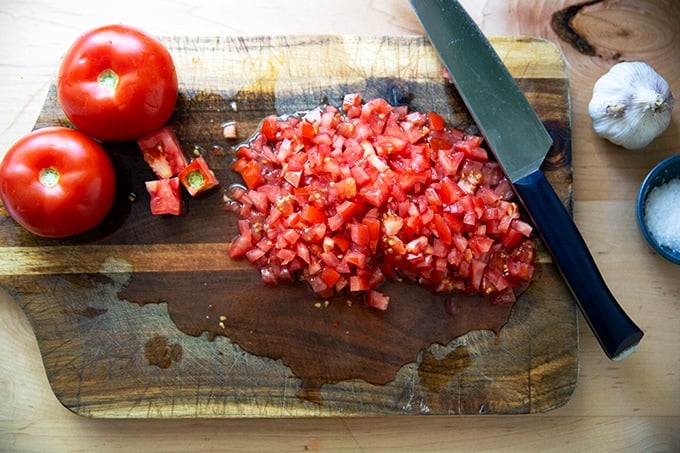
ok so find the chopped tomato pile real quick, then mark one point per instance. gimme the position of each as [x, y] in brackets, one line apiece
[345, 199]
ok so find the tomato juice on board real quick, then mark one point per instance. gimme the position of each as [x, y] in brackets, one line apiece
[346, 198]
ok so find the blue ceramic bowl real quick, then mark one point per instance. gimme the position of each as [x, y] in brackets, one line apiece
[663, 172]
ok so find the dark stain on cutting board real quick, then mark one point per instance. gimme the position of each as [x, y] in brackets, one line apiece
[161, 354]
[321, 341]
[148, 316]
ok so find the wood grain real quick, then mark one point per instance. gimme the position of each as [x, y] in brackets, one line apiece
[121, 312]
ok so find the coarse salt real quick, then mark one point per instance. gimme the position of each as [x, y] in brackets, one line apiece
[662, 214]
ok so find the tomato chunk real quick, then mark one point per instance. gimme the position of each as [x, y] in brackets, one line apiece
[197, 177]
[163, 152]
[166, 197]
[250, 171]
[377, 300]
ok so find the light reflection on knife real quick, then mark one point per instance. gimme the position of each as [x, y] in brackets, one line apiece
[520, 143]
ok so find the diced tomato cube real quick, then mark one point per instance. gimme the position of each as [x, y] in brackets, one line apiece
[244, 229]
[293, 177]
[360, 234]
[460, 242]
[342, 242]
[317, 284]
[329, 276]
[480, 244]
[388, 145]
[259, 200]
[355, 257]
[488, 196]
[254, 254]
[285, 256]
[360, 175]
[269, 127]
[373, 226]
[378, 300]
[336, 222]
[330, 259]
[495, 278]
[291, 236]
[239, 246]
[414, 131]
[250, 171]
[436, 121]
[377, 192]
[470, 145]
[344, 189]
[312, 215]
[511, 238]
[477, 267]
[347, 209]
[449, 191]
[303, 252]
[522, 227]
[417, 245]
[351, 100]
[197, 177]
[314, 233]
[306, 130]
[449, 162]
[358, 283]
[346, 129]
[165, 196]
[441, 229]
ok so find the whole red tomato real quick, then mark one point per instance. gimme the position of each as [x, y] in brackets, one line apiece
[57, 182]
[117, 83]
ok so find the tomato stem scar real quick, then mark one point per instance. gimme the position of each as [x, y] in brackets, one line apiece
[108, 79]
[195, 179]
[49, 177]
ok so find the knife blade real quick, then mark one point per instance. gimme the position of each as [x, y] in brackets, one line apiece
[520, 143]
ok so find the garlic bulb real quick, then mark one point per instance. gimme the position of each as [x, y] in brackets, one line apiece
[631, 105]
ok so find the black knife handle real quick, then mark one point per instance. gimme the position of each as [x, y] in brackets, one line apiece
[617, 333]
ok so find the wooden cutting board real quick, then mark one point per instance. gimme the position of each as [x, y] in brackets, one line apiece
[149, 317]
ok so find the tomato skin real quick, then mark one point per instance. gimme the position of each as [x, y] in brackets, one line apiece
[79, 199]
[144, 96]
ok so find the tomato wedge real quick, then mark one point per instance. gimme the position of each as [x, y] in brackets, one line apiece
[347, 198]
[162, 151]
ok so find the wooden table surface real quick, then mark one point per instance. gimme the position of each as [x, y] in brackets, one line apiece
[631, 405]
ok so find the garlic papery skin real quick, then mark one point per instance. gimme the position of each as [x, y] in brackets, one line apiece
[631, 105]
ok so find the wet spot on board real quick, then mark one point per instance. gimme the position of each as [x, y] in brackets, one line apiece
[322, 343]
[160, 353]
[435, 373]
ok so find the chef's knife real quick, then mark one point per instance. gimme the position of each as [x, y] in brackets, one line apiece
[520, 143]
